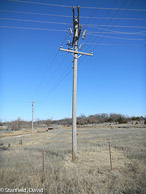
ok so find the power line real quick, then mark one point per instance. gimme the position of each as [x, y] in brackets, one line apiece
[58, 83]
[114, 3]
[93, 13]
[114, 37]
[45, 14]
[110, 25]
[120, 32]
[36, 91]
[115, 22]
[38, 3]
[117, 26]
[66, 16]
[121, 9]
[38, 21]
[111, 19]
[111, 44]
[61, 78]
[100, 24]
[107, 18]
[68, 70]
[68, 6]
[90, 25]
[58, 67]
[27, 28]
[59, 30]
[55, 30]
[49, 68]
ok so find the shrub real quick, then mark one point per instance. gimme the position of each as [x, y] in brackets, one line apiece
[122, 120]
[110, 120]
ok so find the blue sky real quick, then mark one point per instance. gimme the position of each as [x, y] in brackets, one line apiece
[32, 68]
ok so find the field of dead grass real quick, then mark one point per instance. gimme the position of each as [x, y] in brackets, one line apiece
[21, 164]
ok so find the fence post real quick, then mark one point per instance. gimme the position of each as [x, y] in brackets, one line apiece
[110, 155]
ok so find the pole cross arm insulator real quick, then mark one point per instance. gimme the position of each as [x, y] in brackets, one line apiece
[80, 47]
[84, 34]
[70, 31]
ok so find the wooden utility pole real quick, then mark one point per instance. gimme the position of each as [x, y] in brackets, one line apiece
[32, 132]
[75, 52]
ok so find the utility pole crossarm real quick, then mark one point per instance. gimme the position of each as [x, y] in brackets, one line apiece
[76, 52]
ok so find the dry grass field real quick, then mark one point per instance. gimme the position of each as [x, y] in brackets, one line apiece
[21, 161]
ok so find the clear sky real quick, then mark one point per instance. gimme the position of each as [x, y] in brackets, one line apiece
[33, 68]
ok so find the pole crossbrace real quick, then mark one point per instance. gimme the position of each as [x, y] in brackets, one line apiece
[76, 52]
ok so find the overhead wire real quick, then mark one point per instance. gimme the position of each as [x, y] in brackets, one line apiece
[108, 8]
[66, 16]
[56, 15]
[59, 67]
[112, 44]
[62, 78]
[38, 3]
[93, 13]
[52, 76]
[68, 6]
[29, 28]
[107, 18]
[36, 21]
[49, 67]
[60, 30]
[108, 24]
[90, 25]
[114, 37]
[113, 24]
[34, 13]
[117, 21]
[107, 13]
[104, 26]
[44, 76]
[51, 64]
[119, 26]
[120, 32]
[41, 29]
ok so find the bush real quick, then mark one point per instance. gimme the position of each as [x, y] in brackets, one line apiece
[136, 118]
[122, 120]
[110, 120]
[16, 125]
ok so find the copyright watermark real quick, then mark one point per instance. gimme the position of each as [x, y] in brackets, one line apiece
[22, 190]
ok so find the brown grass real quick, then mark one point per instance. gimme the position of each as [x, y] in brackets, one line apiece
[22, 165]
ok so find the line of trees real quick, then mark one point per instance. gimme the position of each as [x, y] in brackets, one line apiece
[81, 120]
[100, 118]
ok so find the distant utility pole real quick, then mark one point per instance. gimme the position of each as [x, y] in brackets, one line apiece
[75, 52]
[32, 132]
